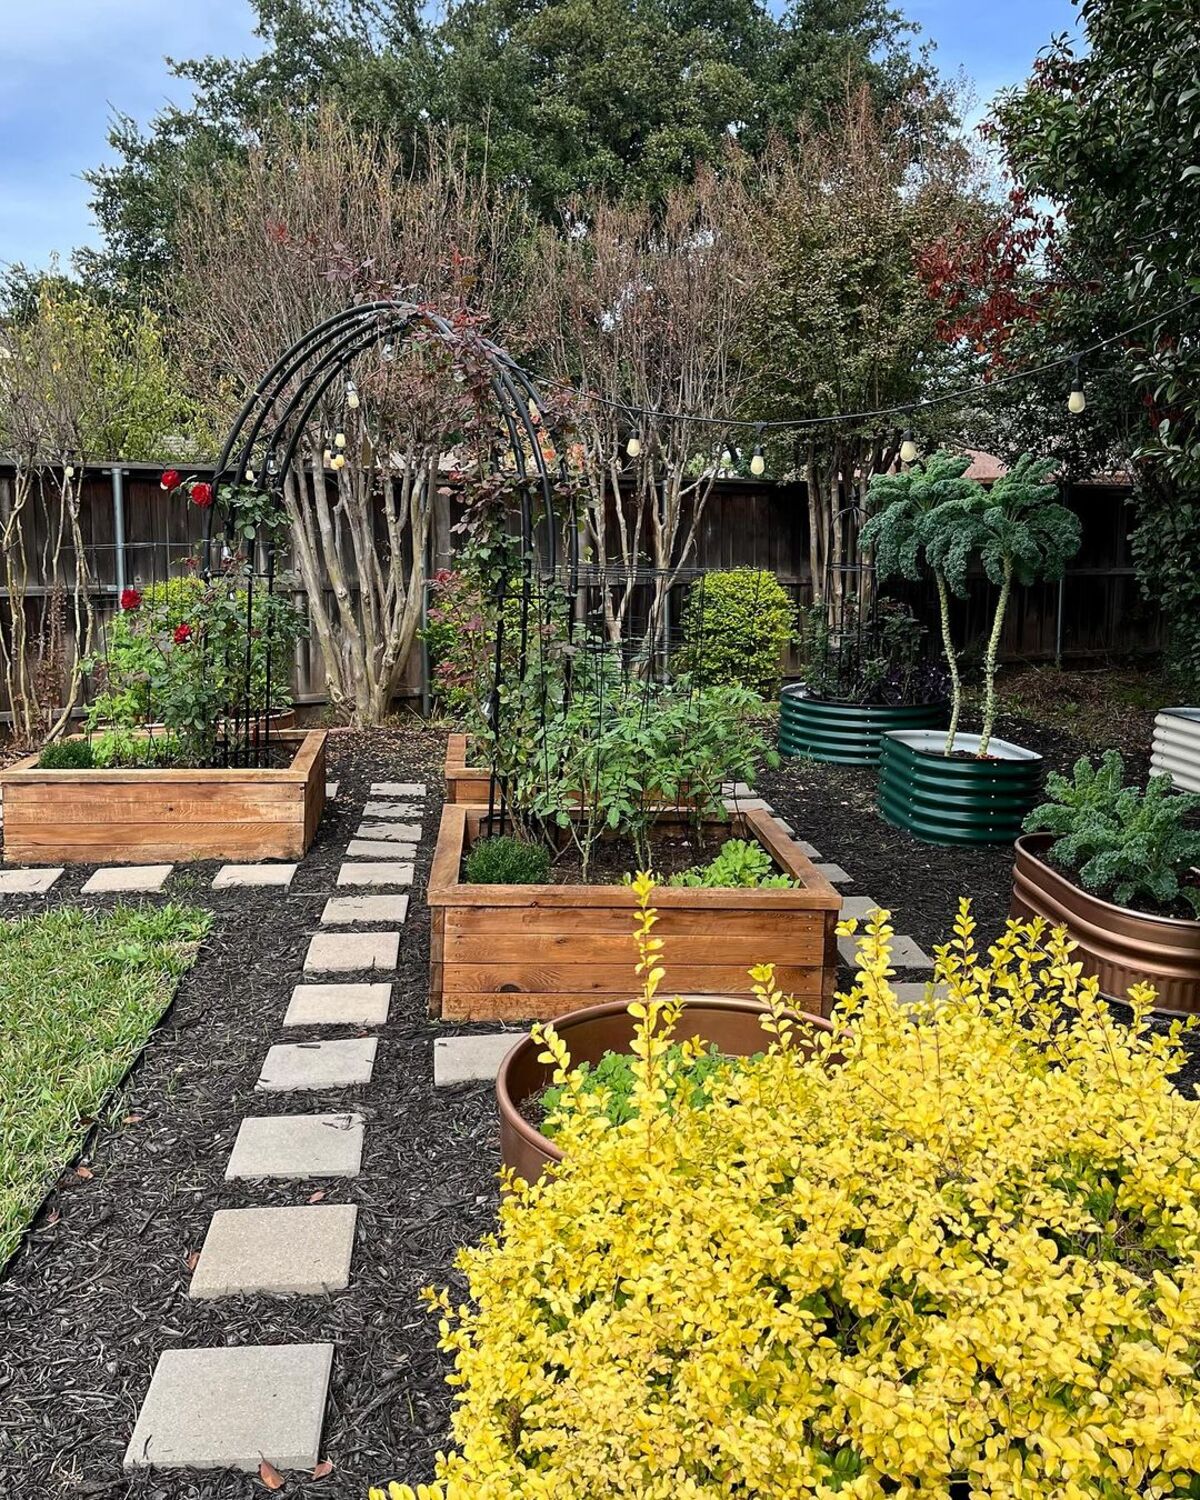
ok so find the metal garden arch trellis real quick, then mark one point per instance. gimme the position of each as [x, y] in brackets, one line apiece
[265, 439]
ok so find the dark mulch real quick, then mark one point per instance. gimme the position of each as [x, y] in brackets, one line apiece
[99, 1288]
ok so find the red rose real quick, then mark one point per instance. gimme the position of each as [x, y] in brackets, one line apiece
[202, 495]
[170, 481]
[183, 633]
[130, 599]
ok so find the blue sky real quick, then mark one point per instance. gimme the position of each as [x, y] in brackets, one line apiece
[66, 63]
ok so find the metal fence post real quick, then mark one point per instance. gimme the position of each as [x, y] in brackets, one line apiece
[117, 475]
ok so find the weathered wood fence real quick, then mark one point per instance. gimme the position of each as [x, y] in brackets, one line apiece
[134, 533]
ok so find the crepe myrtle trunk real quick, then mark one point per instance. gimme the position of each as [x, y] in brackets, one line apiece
[989, 665]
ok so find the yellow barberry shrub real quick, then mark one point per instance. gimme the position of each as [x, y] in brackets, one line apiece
[954, 1251]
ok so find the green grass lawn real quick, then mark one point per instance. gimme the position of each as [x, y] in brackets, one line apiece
[79, 994]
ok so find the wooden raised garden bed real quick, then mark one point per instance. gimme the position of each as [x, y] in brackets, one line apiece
[519, 952]
[161, 814]
[464, 783]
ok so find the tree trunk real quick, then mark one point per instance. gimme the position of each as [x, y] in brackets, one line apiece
[951, 658]
[989, 665]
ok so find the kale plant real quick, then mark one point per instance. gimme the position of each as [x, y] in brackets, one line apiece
[1132, 846]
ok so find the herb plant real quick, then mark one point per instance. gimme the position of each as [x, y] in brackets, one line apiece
[504, 860]
[66, 755]
[1128, 845]
[737, 864]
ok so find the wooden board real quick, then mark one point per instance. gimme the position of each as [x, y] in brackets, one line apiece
[151, 816]
[525, 952]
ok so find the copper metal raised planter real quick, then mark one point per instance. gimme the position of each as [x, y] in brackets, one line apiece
[1121, 947]
[733, 1025]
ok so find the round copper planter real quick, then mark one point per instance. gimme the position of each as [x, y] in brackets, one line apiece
[1121, 947]
[733, 1025]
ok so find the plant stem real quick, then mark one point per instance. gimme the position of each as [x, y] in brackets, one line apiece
[951, 658]
[989, 667]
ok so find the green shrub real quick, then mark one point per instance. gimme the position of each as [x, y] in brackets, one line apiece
[736, 864]
[692, 1079]
[1125, 844]
[507, 861]
[736, 627]
[66, 755]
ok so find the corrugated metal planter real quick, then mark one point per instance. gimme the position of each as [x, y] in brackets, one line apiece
[846, 734]
[1176, 747]
[956, 799]
[1121, 947]
[732, 1024]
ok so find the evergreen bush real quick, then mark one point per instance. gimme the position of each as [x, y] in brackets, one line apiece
[736, 627]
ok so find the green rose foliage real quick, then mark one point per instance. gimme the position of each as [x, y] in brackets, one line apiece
[736, 628]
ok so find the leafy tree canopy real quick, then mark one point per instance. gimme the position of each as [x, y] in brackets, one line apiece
[558, 97]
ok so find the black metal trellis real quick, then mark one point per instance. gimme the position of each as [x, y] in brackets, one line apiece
[266, 435]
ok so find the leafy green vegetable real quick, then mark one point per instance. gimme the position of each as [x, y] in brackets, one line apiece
[736, 864]
[612, 1076]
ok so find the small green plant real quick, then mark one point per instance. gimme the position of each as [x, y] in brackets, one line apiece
[66, 755]
[1129, 845]
[612, 1079]
[736, 627]
[736, 864]
[504, 860]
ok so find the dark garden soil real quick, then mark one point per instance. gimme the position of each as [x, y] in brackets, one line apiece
[613, 859]
[99, 1288]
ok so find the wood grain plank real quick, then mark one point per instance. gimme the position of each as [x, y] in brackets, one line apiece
[589, 977]
[792, 944]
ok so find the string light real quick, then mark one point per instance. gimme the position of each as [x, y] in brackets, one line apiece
[327, 457]
[1076, 401]
[339, 461]
[340, 440]
[908, 448]
[634, 446]
[352, 396]
[69, 472]
[758, 463]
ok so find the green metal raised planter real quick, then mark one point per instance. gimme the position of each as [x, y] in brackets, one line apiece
[846, 734]
[956, 799]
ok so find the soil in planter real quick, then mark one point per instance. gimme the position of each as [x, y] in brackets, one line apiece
[1180, 910]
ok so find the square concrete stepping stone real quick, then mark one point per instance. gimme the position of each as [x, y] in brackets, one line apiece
[331, 789]
[280, 1251]
[392, 810]
[858, 908]
[392, 833]
[348, 952]
[809, 851]
[835, 874]
[339, 1005]
[379, 849]
[469, 1059]
[911, 991]
[231, 1408]
[27, 882]
[905, 953]
[746, 804]
[736, 789]
[346, 910]
[127, 878]
[375, 874]
[397, 789]
[294, 1066]
[297, 1146]
[230, 876]
[786, 826]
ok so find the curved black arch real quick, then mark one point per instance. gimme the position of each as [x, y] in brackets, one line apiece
[276, 413]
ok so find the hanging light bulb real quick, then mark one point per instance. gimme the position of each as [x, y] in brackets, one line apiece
[69, 472]
[758, 463]
[908, 448]
[352, 397]
[339, 461]
[634, 446]
[1076, 401]
[327, 456]
[249, 476]
[340, 440]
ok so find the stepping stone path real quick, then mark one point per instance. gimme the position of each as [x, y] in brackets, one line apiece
[835, 874]
[280, 1251]
[346, 910]
[297, 1146]
[348, 952]
[905, 953]
[341, 1064]
[229, 877]
[127, 878]
[471, 1059]
[27, 882]
[339, 1005]
[375, 874]
[235, 1407]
